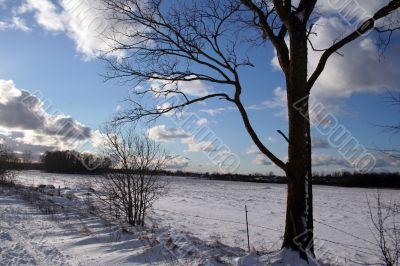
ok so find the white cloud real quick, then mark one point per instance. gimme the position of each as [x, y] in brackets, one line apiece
[85, 22]
[162, 133]
[360, 69]
[20, 24]
[97, 139]
[177, 113]
[9, 138]
[279, 101]
[3, 25]
[193, 88]
[214, 112]
[253, 150]
[319, 143]
[329, 160]
[350, 12]
[118, 108]
[386, 160]
[202, 122]
[163, 107]
[8, 91]
[177, 162]
[261, 160]
[46, 14]
[198, 146]
[16, 23]
[25, 116]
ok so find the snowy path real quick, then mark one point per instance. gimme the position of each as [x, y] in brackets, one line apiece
[23, 236]
[74, 237]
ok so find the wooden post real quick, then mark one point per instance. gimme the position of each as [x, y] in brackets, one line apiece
[247, 227]
[59, 190]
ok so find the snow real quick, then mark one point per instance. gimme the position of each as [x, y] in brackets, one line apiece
[249, 260]
[306, 199]
[22, 234]
[289, 257]
[283, 257]
[74, 237]
[197, 220]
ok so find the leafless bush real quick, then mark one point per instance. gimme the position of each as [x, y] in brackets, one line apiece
[7, 177]
[386, 229]
[134, 185]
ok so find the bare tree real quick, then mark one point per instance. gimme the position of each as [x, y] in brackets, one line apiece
[27, 156]
[173, 42]
[135, 185]
[386, 229]
[7, 157]
[394, 129]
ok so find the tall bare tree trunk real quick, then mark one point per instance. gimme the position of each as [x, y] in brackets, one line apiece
[299, 214]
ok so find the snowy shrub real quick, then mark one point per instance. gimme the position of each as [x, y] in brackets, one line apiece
[135, 184]
[7, 157]
[385, 218]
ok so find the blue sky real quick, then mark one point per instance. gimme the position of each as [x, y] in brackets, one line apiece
[42, 50]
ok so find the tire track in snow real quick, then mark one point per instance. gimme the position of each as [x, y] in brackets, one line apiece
[23, 232]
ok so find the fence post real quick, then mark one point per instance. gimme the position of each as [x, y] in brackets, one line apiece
[247, 227]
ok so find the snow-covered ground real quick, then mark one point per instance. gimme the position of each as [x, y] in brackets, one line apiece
[72, 236]
[22, 234]
[213, 212]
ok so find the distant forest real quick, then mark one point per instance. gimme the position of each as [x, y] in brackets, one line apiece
[69, 162]
[73, 162]
[343, 179]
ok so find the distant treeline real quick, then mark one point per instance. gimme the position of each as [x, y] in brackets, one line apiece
[10, 161]
[23, 166]
[74, 162]
[343, 179]
[347, 179]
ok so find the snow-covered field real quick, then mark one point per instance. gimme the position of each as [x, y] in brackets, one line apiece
[30, 237]
[22, 234]
[213, 212]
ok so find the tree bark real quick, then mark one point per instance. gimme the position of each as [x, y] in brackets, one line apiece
[299, 212]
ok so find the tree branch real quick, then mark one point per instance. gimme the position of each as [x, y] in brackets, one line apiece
[283, 135]
[278, 41]
[138, 111]
[255, 138]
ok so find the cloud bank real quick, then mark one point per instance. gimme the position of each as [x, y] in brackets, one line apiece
[85, 22]
[162, 133]
[25, 120]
